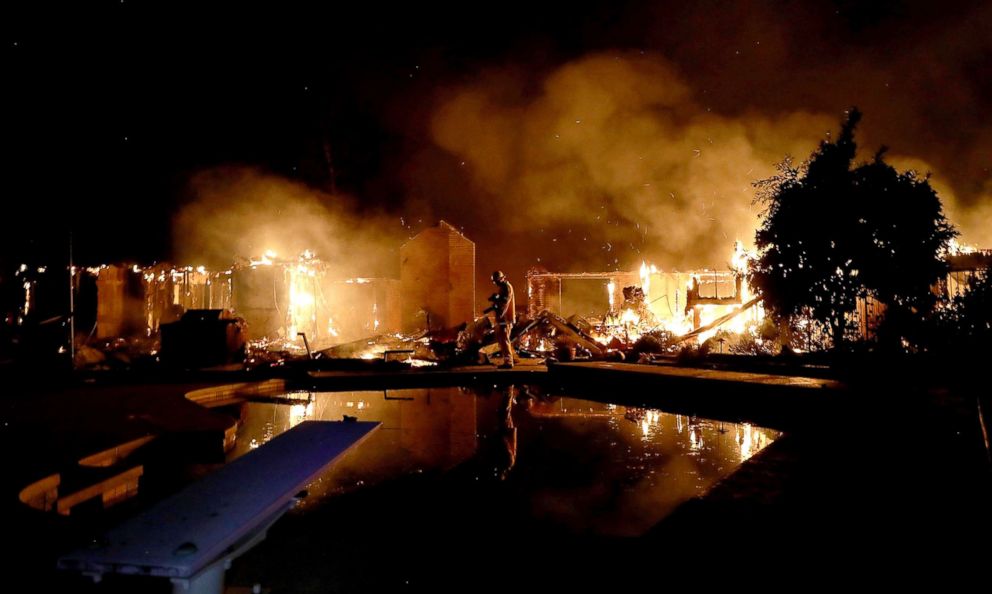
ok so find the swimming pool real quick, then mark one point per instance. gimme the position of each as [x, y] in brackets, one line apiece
[468, 467]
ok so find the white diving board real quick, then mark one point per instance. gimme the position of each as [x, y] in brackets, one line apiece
[192, 536]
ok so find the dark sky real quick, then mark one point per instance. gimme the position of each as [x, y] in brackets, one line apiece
[109, 112]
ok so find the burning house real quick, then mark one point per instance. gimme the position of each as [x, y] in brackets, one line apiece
[964, 262]
[170, 291]
[281, 299]
[624, 305]
[136, 301]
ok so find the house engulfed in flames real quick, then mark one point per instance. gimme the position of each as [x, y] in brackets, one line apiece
[282, 299]
[617, 308]
[278, 298]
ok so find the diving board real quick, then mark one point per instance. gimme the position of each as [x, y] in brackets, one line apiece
[192, 536]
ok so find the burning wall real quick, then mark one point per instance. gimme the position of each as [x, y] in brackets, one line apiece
[964, 262]
[169, 291]
[261, 296]
[364, 307]
[133, 300]
[281, 298]
[120, 301]
[575, 293]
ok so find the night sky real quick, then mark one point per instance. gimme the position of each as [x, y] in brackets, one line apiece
[111, 112]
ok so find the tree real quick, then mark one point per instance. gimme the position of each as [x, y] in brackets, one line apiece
[966, 325]
[833, 234]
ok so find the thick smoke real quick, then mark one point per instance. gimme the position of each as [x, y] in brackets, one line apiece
[918, 70]
[620, 156]
[614, 148]
[972, 218]
[242, 212]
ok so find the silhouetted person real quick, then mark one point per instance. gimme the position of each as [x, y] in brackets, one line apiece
[504, 309]
[508, 433]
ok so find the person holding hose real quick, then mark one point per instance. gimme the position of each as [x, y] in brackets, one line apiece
[504, 309]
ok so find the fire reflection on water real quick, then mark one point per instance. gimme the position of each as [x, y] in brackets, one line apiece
[587, 466]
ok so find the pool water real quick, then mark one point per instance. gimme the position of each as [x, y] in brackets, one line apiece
[466, 469]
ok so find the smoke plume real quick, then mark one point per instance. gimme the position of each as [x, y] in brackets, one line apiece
[614, 161]
[242, 212]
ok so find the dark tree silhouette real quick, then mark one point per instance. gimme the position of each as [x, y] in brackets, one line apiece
[966, 326]
[833, 234]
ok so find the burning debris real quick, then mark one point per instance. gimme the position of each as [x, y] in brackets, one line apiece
[283, 302]
[632, 318]
[663, 308]
[269, 310]
[413, 350]
[569, 339]
[289, 308]
[294, 307]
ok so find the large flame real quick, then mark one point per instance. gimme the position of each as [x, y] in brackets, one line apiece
[666, 309]
[303, 290]
[267, 259]
[646, 272]
[959, 249]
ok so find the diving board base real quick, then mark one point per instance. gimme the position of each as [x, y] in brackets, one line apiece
[210, 580]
